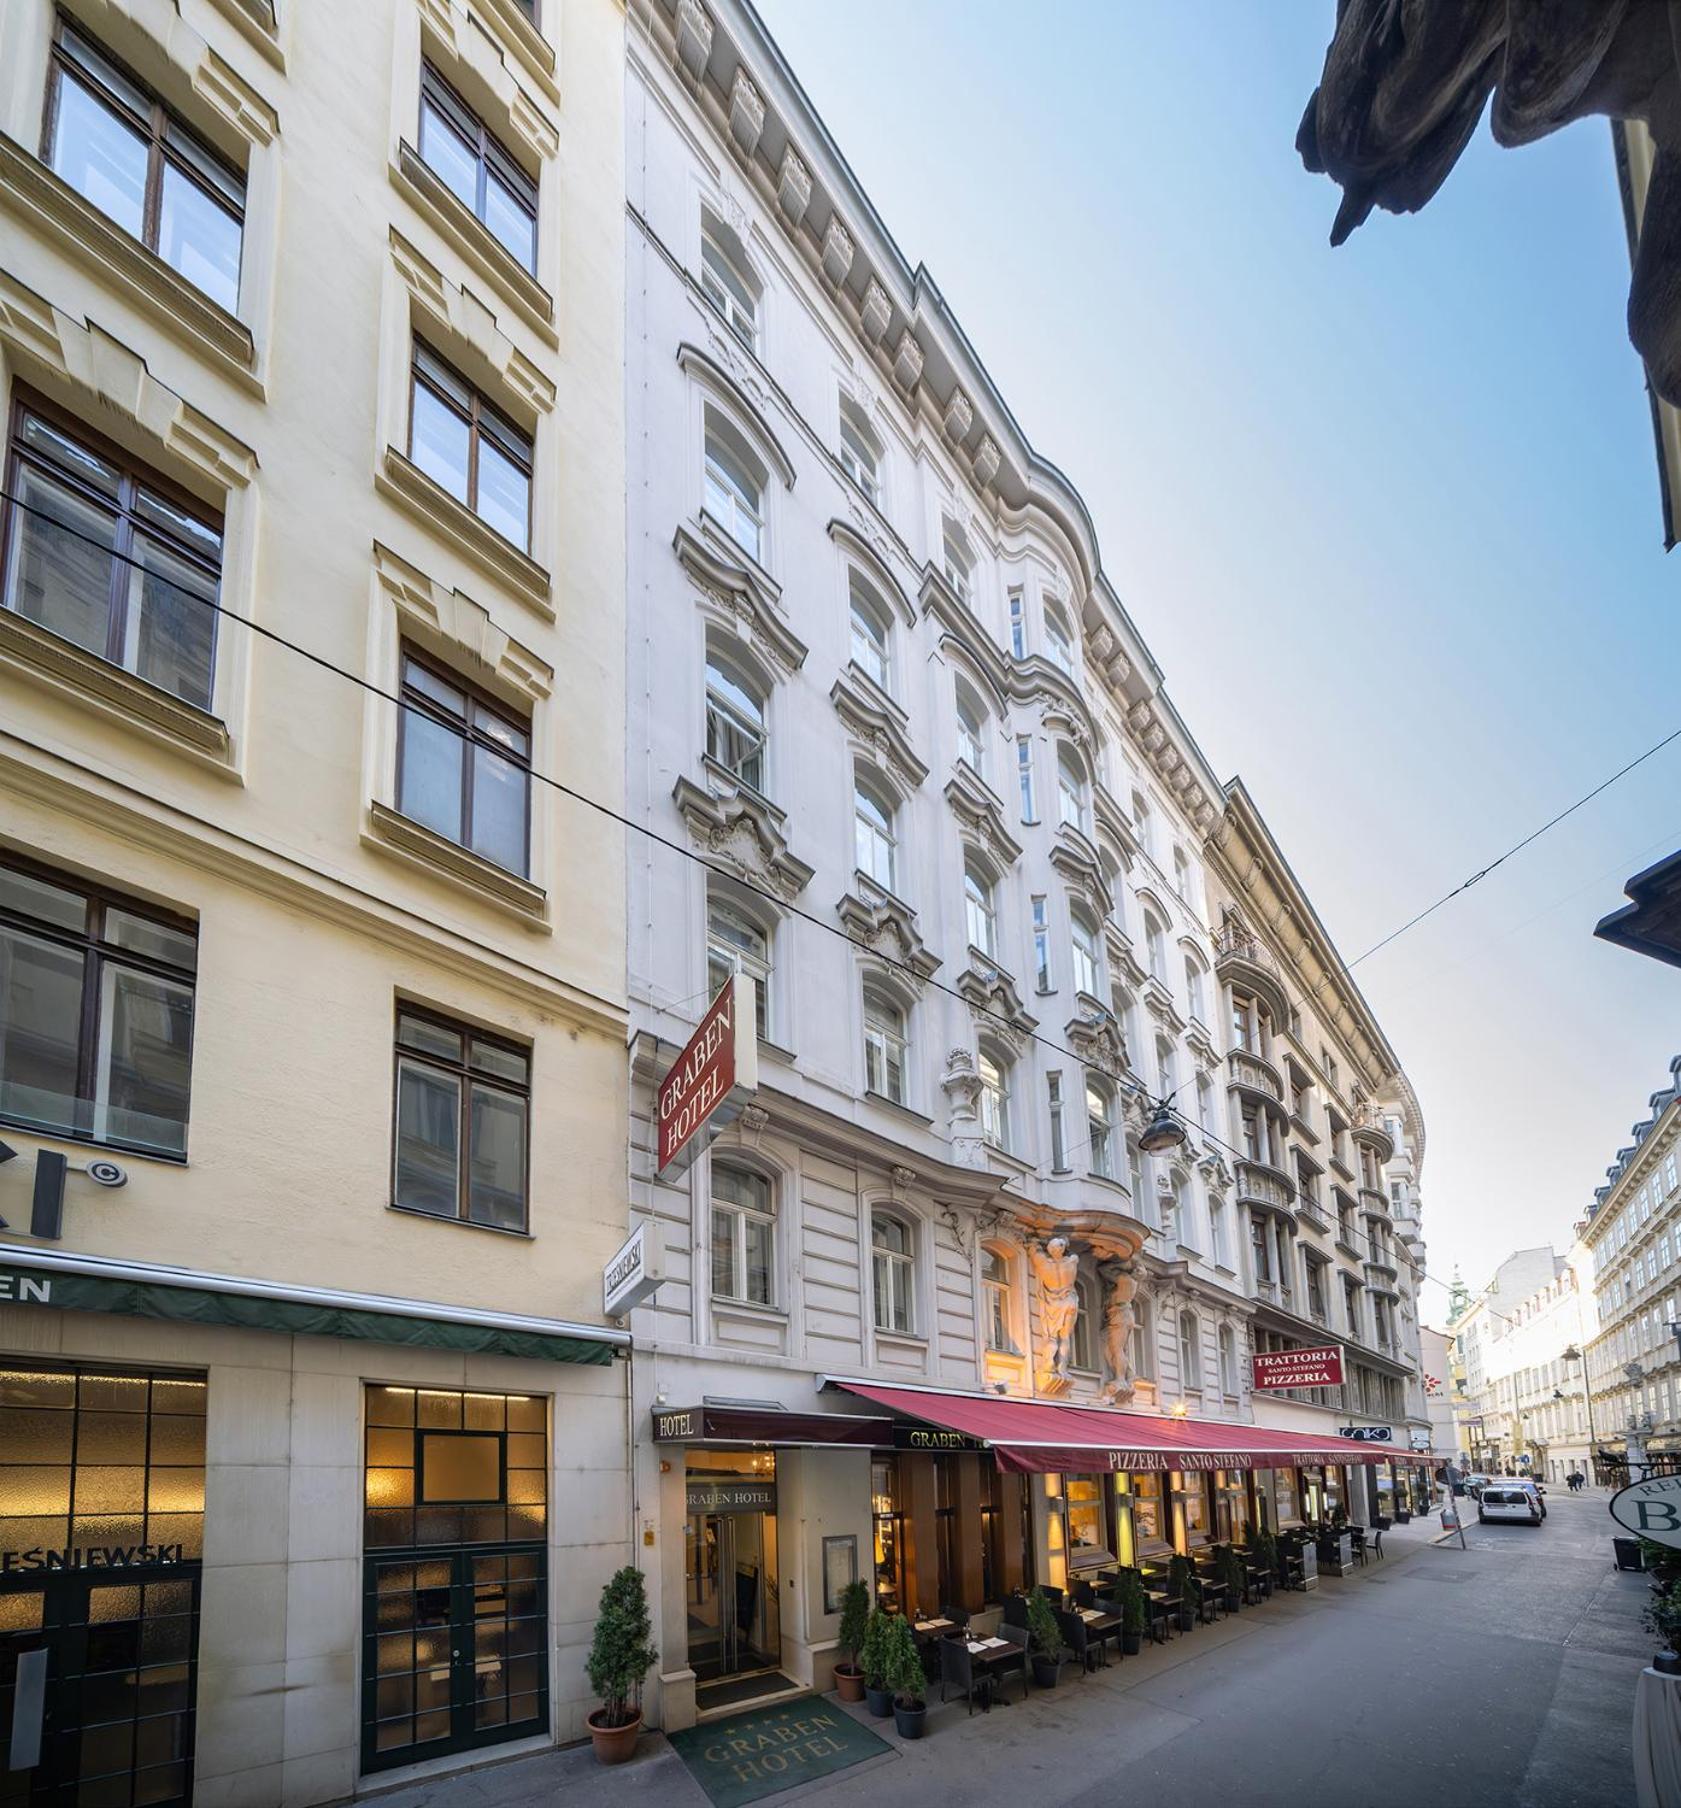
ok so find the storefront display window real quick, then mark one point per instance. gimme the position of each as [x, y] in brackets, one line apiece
[1191, 1494]
[1313, 1494]
[992, 1514]
[1231, 1506]
[1088, 1530]
[1149, 1524]
[889, 1535]
[1285, 1497]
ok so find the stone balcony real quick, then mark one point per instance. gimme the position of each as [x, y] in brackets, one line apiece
[1250, 1073]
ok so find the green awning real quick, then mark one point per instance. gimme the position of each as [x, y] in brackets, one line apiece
[28, 1286]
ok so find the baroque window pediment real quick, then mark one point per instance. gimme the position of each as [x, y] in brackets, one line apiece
[980, 816]
[1073, 855]
[744, 597]
[992, 995]
[877, 721]
[959, 624]
[744, 831]
[1097, 1038]
[887, 926]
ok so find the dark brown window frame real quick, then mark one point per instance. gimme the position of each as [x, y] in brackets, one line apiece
[469, 734]
[153, 125]
[467, 1074]
[491, 152]
[135, 475]
[478, 410]
[95, 950]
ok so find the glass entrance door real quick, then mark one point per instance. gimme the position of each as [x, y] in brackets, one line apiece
[734, 1625]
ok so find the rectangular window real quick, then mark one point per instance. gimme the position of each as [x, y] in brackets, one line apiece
[1024, 773]
[1018, 625]
[113, 141]
[462, 1123]
[96, 1013]
[1041, 945]
[469, 448]
[464, 766]
[109, 556]
[1059, 1152]
[477, 169]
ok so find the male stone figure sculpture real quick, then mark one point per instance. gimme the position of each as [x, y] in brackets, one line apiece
[1057, 1269]
[1119, 1322]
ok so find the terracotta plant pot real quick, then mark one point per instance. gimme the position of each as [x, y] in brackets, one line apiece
[613, 1744]
[849, 1682]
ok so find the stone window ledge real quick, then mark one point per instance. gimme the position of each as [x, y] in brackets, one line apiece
[29, 188]
[429, 502]
[468, 235]
[724, 1307]
[255, 21]
[392, 832]
[533, 51]
[907, 1341]
[120, 693]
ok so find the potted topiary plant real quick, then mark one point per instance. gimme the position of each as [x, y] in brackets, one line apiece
[1045, 1640]
[872, 1659]
[855, 1616]
[1135, 1612]
[1265, 1547]
[1231, 1577]
[619, 1659]
[1182, 1581]
[907, 1679]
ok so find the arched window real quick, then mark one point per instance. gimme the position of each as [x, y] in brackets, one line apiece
[860, 456]
[735, 486]
[735, 720]
[1143, 823]
[876, 845]
[1228, 1361]
[1251, 1024]
[998, 1299]
[995, 1099]
[1174, 1227]
[1088, 972]
[959, 562]
[1196, 989]
[1073, 805]
[1135, 1177]
[726, 280]
[892, 1264]
[743, 1236]
[1190, 1351]
[1166, 1083]
[869, 633]
[1100, 1128]
[884, 1045]
[971, 730]
[735, 943]
[1182, 873]
[1143, 1339]
[1219, 1237]
[1059, 643]
[1155, 946]
[1082, 1352]
[980, 913]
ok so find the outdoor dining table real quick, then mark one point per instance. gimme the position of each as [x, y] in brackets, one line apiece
[1100, 1628]
[930, 1629]
[985, 1654]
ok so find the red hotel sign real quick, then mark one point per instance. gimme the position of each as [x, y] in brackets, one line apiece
[717, 1068]
[1318, 1366]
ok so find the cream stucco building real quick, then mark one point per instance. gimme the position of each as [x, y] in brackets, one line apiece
[310, 319]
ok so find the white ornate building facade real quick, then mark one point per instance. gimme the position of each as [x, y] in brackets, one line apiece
[949, 821]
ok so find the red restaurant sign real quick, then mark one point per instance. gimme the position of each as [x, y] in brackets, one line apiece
[1320, 1365]
[717, 1068]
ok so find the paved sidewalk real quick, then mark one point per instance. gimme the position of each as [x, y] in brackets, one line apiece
[1502, 1674]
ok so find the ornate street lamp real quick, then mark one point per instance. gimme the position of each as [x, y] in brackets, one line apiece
[1164, 1131]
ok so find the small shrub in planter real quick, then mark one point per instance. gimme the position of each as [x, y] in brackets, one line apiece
[1265, 1547]
[905, 1677]
[1045, 1640]
[1135, 1613]
[619, 1659]
[1231, 1577]
[1182, 1580]
[872, 1659]
[855, 1616]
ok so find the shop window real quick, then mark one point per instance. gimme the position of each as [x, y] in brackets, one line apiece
[469, 447]
[743, 1236]
[993, 1483]
[892, 1262]
[119, 147]
[477, 168]
[889, 1531]
[462, 1123]
[1231, 1506]
[1089, 1537]
[1149, 1522]
[1191, 1494]
[96, 1013]
[1286, 1497]
[464, 765]
[105, 554]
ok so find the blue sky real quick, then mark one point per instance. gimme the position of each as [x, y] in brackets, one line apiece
[1387, 515]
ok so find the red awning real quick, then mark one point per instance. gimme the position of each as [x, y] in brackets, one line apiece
[1035, 1435]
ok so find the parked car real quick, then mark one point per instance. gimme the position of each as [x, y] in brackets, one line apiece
[1509, 1501]
[1535, 1488]
[1476, 1482]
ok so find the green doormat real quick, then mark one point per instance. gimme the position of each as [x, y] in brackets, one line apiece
[753, 1755]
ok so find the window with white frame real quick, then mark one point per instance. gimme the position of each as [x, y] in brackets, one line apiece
[1166, 1080]
[1088, 968]
[1205, 1103]
[1155, 947]
[859, 455]
[1024, 777]
[876, 847]
[743, 1235]
[1059, 1139]
[1082, 1345]
[1196, 989]
[1059, 642]
[998, 1303]
[1073, 800]
[1041, 942]
[1228, 1361]
[1135, 1177]
[893, 1272]
[959, 562]
[1219, 1233]
[995, 1098]
[884, 1045]
[869, 633]
[1102, 1129]
[971, 730]
[735, 487]
[1182, 874]
[727, 283]
[735, 943]
[1143, 823]
[1018, 624]
[1143, 1339]
[980, 912]
[735, 720]
[1190, 1351]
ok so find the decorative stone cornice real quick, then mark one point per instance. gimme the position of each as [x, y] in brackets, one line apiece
[1123, 958]
[1114, 826]
[712, 374]
[871, 717]
[980, 815]
[743, 594]
[694, 37]
[837, 250]
[1076, 859]
[992, 996]
[743, 831]
[1158, 1000]
[959, 625]
[986, 461]
[452, 621]
[959, 416]
[876, 312]
[907, 360]
[887, 926]
[747, 113]
[873, 556]
[793, 186]
[1097, 1038]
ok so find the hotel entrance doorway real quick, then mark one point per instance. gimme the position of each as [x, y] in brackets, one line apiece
[730, 1564]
